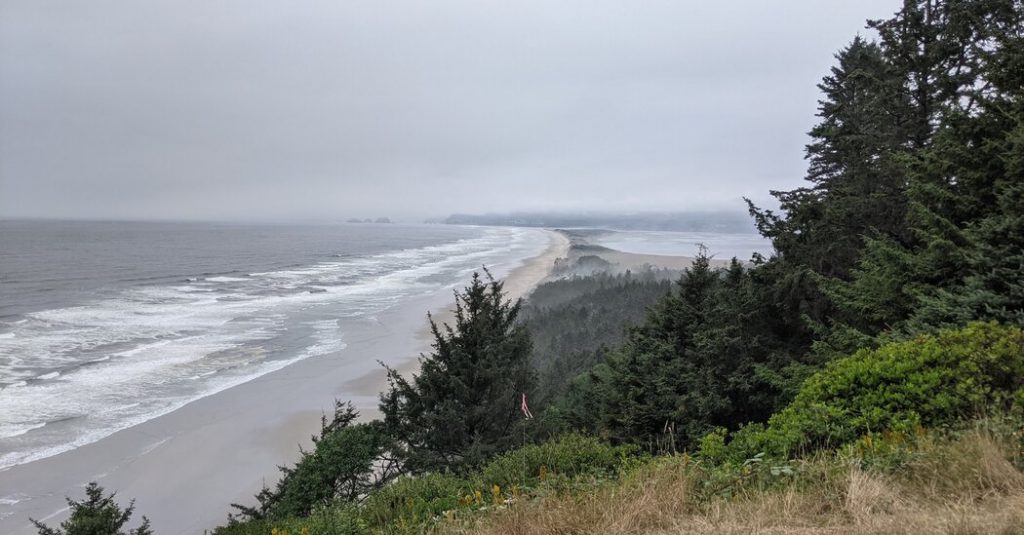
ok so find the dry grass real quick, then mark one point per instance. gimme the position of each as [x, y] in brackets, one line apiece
[641, 504]
[967, 487]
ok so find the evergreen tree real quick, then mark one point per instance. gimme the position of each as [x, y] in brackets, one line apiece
[911, 220]
[993, 287]
[348, 460]
[707, 356]
[573, 322]
[463, 406]
[857, 192]
[96, 515]
[962, 63]
[856, 182]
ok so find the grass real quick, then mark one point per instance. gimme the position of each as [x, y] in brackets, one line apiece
[969, 482]
[966, 485]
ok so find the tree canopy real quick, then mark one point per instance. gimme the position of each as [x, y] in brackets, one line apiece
[464, 405]
[96, 515]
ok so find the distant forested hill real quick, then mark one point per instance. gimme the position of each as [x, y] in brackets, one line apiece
[700, 221]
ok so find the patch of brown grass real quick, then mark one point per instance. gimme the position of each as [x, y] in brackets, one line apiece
[642, 503]
[964, 487]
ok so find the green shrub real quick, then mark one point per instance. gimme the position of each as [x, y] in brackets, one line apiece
[338, 519]
[712, 447]
[340, 467]
[929, 381]
[410, 501]
[570, 456]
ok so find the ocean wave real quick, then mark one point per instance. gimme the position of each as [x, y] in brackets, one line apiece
[149, 350]
[226, 279]
[9, 431]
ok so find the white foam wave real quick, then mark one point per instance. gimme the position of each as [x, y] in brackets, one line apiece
[226, 279]
[8, 431]
[150, 350]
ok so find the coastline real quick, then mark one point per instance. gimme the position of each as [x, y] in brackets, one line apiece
[518, 283]
[185, 468]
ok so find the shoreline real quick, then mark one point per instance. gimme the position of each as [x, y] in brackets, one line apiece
[580, 258]
[518, 283]
[186, 467]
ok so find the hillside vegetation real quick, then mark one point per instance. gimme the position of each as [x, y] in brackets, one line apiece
[867, 377]
[930, 472]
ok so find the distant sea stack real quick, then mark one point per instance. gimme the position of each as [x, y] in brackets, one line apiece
[368, 220]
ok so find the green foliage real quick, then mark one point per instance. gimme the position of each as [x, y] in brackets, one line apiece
[574, 321]
[463, 407]
[337, 519]
[928, 381]
[958, 257]
[857, 182]
[571, 457]
[96, 515]
[414, 504]
[712, 446]
[708, 355]
[411, 501]
[341, 466]
[851, 335]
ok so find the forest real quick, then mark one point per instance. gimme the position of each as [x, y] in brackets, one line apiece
[867, 376]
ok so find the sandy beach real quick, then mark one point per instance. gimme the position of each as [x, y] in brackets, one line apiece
[185, 468]
[585, 257]
[517, 284]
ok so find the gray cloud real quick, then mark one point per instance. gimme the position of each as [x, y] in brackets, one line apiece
[331, 109]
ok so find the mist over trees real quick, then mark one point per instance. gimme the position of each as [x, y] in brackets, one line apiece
[911, 221]
[575, 322]
[892, 305]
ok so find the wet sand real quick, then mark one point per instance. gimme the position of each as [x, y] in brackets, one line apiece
[185, 468]
[517, 284]
[585, 257]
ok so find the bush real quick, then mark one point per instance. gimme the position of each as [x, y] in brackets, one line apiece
[929, 381]
[410, 501]
[571, 456]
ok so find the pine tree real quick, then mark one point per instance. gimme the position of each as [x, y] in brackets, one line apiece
[993, 287]
[707, 356]
[96, 515]
[463, 406]
[856, 181]
[962, 63]
[857, 194]
[348, 461]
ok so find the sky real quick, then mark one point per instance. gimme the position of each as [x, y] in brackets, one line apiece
[325, 110]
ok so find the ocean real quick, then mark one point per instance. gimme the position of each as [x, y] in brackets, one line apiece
[104, 325]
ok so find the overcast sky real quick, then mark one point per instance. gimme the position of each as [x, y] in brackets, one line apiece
[212, 109]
